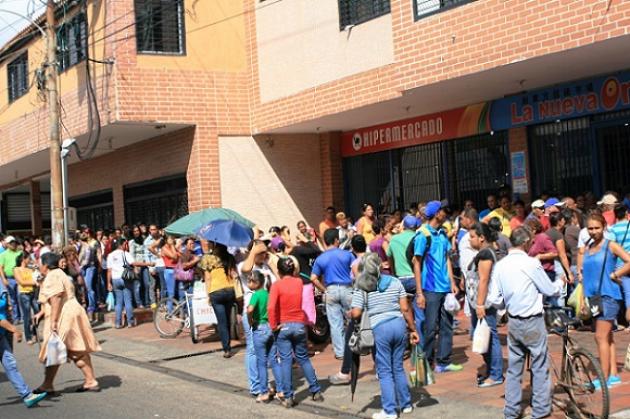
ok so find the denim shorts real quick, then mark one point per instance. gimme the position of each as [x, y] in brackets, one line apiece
[610, 309]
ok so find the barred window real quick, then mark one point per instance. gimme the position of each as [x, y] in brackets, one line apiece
[17, 77]
[353, 12]
[72, 42]
[423, 8]
[160, 26]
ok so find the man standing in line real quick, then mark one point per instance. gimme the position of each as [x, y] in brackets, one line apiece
[334, 266]
[519, 282]
[156, 264]
[8, 260]
[492, 205]
[433, 273]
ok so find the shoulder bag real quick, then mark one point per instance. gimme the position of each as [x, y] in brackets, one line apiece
[362, 340]
[129, 274]
[182, 274]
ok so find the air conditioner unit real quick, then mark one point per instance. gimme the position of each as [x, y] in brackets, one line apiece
[72, 219]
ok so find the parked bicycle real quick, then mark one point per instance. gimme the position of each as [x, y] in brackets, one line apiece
[574, 390]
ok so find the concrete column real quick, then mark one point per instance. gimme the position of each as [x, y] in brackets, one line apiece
[332, 170]
[36, 208]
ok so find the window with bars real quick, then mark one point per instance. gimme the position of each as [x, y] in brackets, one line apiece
[423, 8]
[353, 12]
[160, 26]
[17, 77]
[72, 42]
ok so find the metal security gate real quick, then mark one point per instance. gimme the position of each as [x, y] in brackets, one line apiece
[614, 155]
[421, 172]
[561, 157]
[158, 202]
[95, 210]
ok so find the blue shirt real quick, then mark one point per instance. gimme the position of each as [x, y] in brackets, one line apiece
[334, 265]
[619, 231]
[435, 263]
[485, 212]
[592, 273]
[4, 305]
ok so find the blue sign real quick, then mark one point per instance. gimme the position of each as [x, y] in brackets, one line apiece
[571, 100]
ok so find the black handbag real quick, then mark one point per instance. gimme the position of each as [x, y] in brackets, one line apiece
[129, 273]
[595, 302]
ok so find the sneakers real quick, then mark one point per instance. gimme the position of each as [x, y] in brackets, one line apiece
[383, 415]
[339, 379]
[318, 397]
[407, 410]
[612, 381]
[33, 399]
[439, 369]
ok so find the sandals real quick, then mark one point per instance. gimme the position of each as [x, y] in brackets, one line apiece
[93, 389]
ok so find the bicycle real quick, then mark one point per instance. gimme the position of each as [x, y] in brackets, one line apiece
[170, 324]
[578, 371]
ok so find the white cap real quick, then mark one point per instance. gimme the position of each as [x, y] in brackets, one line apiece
[539, 203]
[9, 239]
[608, 199]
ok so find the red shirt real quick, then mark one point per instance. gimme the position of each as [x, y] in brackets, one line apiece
[285, 302]
[543, 244]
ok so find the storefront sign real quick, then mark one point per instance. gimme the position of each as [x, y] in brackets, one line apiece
[456, 123]
[604, 94]
[519, 172]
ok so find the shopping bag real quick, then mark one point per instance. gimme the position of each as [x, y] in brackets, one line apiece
[422, 374]
[576, 298]
[481, 338]
[451, 304]
[110, 302]
[56, 353]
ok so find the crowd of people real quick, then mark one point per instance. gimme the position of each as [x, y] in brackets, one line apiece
[504, 262]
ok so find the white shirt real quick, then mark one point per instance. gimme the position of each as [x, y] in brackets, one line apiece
[584, 237]
[466, 252]
[115, 262]
[519, 282]
[270, 278]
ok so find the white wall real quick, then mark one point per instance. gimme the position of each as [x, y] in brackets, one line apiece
[300, 46]
[272, 180]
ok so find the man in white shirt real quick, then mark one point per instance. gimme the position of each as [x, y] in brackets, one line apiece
[519, 282]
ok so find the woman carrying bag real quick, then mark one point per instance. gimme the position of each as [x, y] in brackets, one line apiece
[602, 288]
[483, 238]
[64, 316]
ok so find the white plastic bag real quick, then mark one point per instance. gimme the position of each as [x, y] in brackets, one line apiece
[451, 304]
[481, 338]
[110, 301]
[56, 353]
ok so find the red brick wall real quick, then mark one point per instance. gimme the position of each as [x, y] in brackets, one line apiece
[332, 170]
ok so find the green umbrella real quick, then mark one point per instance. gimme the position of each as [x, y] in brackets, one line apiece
[187, 225]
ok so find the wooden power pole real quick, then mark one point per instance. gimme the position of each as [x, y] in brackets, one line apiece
[54, 132]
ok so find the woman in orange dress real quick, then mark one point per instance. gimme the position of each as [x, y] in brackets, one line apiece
[64, 315]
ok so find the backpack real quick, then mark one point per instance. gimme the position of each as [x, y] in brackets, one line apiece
[472, 280]
[411, 246]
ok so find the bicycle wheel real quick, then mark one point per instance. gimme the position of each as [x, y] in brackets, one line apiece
[584, 369]
[169, 325]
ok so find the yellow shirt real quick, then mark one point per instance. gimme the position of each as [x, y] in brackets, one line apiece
[505, 218]
[367, 233]
[214, 274]
[27, 274]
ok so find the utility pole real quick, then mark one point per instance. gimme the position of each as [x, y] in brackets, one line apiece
[53, 120]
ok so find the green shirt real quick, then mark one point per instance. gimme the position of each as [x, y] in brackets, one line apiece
[397, 250]
[8, 260]
[259, 302]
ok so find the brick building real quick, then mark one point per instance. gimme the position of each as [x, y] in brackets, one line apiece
[280, 108]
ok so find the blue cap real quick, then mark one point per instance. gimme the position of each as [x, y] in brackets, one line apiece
[432, 208]
[551, 202]
[626, 202]
[410, 222]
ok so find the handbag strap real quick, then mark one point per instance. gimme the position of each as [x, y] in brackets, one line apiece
[625, 234]
[601, 275]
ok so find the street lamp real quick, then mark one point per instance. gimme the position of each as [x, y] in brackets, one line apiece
[65, 152]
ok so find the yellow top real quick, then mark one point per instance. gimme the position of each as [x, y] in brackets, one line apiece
[24, 275]
[214, 274]
[505, 218]
[366, 230]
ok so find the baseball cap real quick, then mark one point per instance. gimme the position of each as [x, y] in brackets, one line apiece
[432, 208]
[9, 239]
[410, 222]
[539, 203]
[276, 242]
[341, 216]
[553, 202]
[608, 199]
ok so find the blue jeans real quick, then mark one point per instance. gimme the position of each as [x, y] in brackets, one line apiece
[27, 300]
[169, 282]
[437, 320]
[494, 357]
[338, 300]
[123, 294]
[250, 355]
[527, 336]
[184, 288]
[10, 368]
[291, 340]
[266, 353]
[102, 285]
[222, 303]
[13, 296]
[409, 284]
[159, 271]
[625, 282]
[149, 286]
[391, 341]
[91, 283]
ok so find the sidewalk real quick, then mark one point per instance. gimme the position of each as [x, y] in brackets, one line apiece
[453, 395]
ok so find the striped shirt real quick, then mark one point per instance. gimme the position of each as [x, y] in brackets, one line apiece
[381, 306]
[619, 231]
